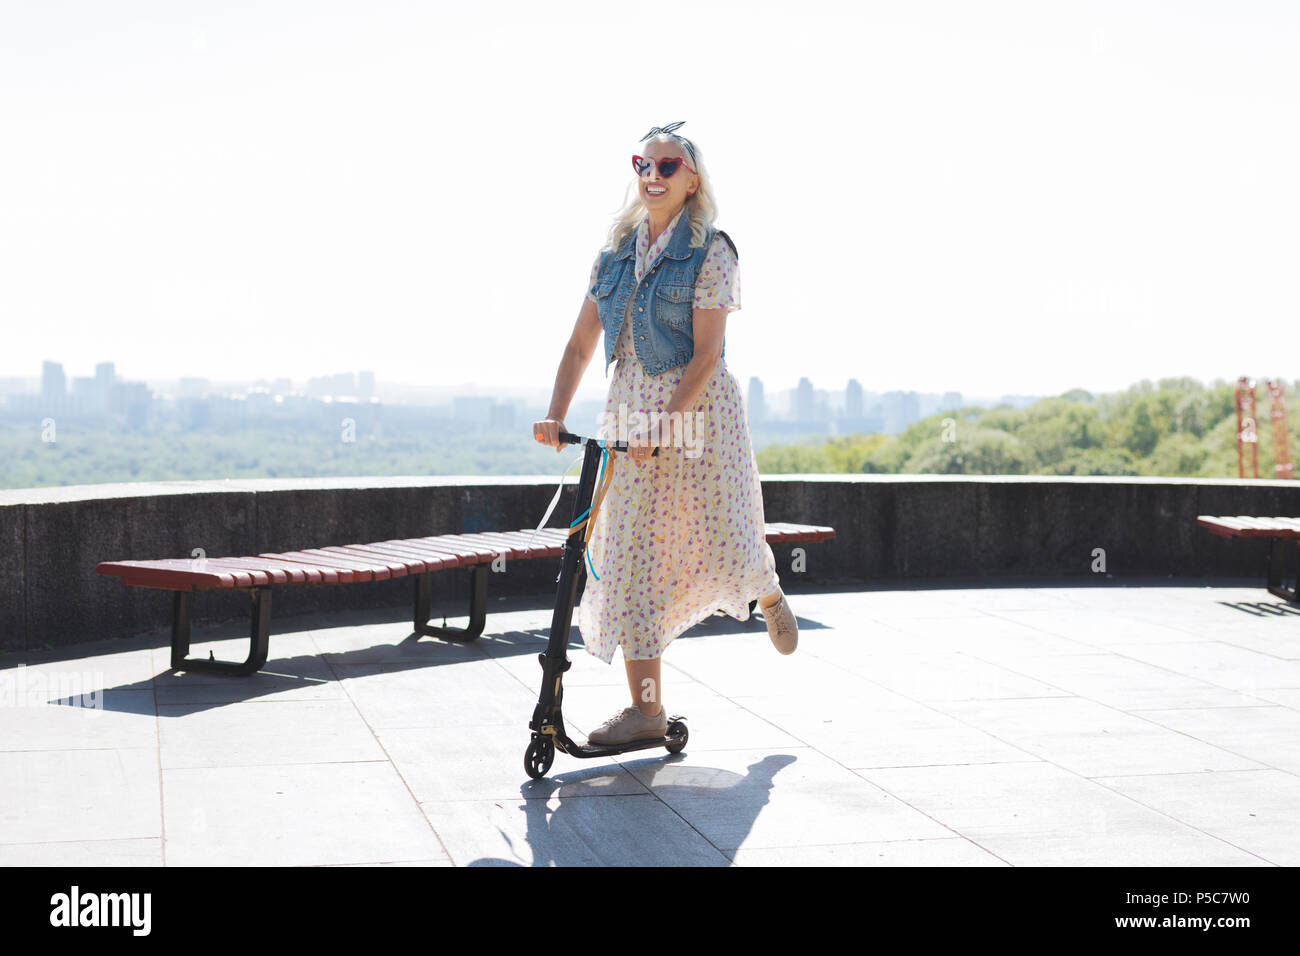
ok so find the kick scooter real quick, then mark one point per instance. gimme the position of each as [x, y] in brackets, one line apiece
[547, 724]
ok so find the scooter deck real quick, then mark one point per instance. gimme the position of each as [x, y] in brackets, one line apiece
[584, 751]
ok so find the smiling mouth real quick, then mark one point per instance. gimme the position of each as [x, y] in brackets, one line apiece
[655, 190]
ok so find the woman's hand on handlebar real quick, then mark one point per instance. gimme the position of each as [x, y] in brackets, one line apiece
[639, 446]
[547, 432]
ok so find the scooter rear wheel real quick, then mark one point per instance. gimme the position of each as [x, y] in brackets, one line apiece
[538, 757]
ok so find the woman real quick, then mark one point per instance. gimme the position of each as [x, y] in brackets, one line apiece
[681, 534]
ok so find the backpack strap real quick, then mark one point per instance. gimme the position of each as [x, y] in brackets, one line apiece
[730, 243]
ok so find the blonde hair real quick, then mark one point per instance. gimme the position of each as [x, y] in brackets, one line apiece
[700, 209]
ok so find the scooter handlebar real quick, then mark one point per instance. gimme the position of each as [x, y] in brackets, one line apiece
[573, 439]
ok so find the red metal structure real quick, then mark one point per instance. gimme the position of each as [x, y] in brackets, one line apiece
[1277, 421]
[1247, 436]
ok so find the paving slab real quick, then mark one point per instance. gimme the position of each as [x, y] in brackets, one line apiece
[1092, 739]
[249, 733]
[1270, 735]
[1124, 683]
[1038, 814]
[881, 732]
[66, 794]
[1218, 663]
[1099, 629]
[146, 851]
[294, 815]
[1251, 809]
[956, 675]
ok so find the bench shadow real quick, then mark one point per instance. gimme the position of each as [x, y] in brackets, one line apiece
[1264, 609]
[571, 834]
[180, 692]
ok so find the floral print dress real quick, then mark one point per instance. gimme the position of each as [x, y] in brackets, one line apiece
[681, 534]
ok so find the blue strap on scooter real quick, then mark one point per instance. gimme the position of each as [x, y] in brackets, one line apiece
[604, 456]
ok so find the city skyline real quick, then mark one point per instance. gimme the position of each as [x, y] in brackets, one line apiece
[198, 402]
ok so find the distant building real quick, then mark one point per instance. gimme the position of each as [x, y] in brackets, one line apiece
[193, 387]
[332, 386]
[501, 416]
[900, 409]
[54, 384]
[472, 409]
[131, 400]
[853, 399]
[805, 407]
[365, 385]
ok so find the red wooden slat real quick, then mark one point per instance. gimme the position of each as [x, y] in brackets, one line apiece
[1215, 527]
[180, 574]
[359, 571]
[283, 571]
[476, 551]
[159, 581]
[412, 563]
[395, 568]
[1248, 526]
[177, 569]
[260, 575]
[513, 545]
[470, 553]
[1243, 525]
[501, 547]
[329, 574]
[433, 556]
[307, 574]
[342, 558]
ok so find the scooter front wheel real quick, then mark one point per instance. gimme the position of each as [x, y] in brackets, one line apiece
[675, 728]
[539, 756]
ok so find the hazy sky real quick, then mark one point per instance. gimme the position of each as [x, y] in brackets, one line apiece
[986, 197]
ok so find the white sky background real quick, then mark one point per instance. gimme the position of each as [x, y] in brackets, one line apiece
[989, 197]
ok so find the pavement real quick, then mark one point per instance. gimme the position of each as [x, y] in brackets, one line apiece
[973, 726]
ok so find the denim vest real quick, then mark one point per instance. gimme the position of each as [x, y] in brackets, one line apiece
[662, 304]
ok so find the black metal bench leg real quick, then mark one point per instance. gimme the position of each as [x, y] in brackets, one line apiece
[1276, 568]
[477, 606]
[259, 637]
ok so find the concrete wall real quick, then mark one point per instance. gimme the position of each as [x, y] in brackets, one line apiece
[895, 528]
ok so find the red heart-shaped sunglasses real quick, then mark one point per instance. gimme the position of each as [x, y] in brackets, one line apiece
[667, 167]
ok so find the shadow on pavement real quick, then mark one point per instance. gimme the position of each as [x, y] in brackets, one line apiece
[565, 835]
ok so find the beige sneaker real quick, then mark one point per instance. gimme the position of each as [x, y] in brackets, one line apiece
[627, 725]
[781, 626]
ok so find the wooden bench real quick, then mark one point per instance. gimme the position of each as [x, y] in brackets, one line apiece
[1278, 530]
[354, 564]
